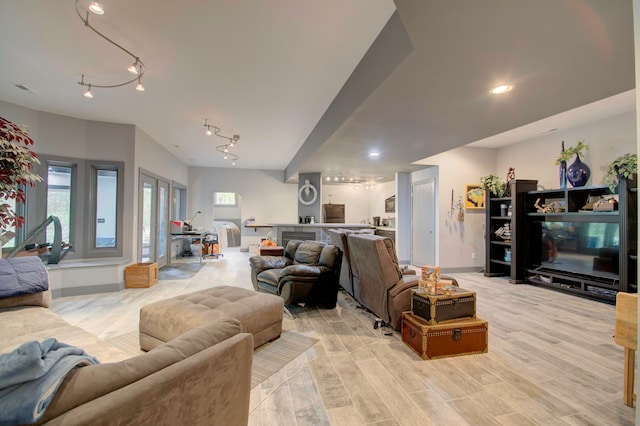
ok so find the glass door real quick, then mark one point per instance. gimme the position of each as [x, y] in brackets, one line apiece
[147, 219]
[153, 240]
[163, 222]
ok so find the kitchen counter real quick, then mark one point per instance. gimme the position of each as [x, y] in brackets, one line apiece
[315, 231]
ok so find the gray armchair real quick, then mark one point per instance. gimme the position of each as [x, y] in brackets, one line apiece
[308, 272]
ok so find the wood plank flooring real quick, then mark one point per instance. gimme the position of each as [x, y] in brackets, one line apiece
[552, 359]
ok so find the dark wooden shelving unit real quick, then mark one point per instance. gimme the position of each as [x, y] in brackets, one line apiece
[496, 247]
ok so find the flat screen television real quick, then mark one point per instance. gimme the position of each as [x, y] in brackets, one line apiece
[581, 248]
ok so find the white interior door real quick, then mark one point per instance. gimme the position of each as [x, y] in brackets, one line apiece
[423, 217]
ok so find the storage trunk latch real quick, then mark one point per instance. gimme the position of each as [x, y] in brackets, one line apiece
[457, 334]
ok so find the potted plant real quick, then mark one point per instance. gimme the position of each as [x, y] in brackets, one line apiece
[623, 167]
[16, 172]
[494, 184]
[567, 154]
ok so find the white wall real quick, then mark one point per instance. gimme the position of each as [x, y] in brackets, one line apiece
[535, 159]
[264, 196]
[360, 203]
[459, 242]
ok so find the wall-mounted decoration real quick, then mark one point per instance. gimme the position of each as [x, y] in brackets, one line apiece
[474, 196]
[308, 193]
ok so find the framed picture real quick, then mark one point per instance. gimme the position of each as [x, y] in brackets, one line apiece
[473, 196]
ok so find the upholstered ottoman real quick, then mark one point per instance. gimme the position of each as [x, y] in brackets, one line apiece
[164, 320]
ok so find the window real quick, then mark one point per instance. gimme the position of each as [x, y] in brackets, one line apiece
[88, 197]
[179, 202]
[59, 200]
[10, 244]
[106, 208]
[225, 199]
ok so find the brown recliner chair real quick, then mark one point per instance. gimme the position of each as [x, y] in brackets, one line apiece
[308, 272]
[383, 288]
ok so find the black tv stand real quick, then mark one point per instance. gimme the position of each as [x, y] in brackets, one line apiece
[612, 264]
[592, 287]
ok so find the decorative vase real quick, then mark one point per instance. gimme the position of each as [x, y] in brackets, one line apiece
[578, 173]
[563, 174]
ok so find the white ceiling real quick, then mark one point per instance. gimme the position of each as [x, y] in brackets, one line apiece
[312, 86]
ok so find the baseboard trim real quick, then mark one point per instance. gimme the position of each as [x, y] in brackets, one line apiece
[462, 269]
[88, 289]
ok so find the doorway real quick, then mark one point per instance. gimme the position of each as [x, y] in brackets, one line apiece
[153, 219]
[423, 214]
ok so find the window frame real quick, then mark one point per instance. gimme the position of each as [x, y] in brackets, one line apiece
[92, 170]
[83, 205]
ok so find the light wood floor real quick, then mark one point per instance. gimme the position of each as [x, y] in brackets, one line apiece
[552, 359]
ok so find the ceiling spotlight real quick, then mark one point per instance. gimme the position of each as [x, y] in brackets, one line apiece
[233, 163]
[226, 149]
[139, 86]
[88, 93]
[374, 154]
[335, 179]
[502, 88]
[226, 156]
[328, 178]
[133, 68]
[96, 7]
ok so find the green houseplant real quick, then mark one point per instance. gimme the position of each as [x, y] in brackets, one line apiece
[16, 173]
[625, 166]
[567, 154]
[494, 184]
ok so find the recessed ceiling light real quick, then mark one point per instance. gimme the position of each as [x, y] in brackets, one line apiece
[374, 154]
[502, 88]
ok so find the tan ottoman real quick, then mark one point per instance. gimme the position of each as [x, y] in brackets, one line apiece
[164, 320]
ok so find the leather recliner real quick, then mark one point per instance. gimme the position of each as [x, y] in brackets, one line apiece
[382, 286]
[308, 272]
[348, 281]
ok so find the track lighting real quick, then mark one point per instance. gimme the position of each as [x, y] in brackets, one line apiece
[96, 7]
[133, 68]
[137, 68]
[88, 93]
[224, 149]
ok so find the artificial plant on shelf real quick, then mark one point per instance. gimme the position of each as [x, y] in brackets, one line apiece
[16, 173]
[494, 184]
[625, 167]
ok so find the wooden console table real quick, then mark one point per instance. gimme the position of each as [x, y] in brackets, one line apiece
[627, 336]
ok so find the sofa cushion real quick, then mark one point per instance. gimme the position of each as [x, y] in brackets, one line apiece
[20, 325]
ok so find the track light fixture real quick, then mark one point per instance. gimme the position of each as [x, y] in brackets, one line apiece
[137, 68]
[224, 149]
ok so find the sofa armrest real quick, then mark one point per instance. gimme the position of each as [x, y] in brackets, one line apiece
[409, 272]
[301, 271]
[42, 298]
[180, 363]
[261, 263]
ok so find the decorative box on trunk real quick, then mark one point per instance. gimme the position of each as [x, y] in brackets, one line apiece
[465, 337]
[455, 305]
[141, 275]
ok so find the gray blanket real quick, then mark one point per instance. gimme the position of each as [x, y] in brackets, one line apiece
[31, 375]
[22, 275]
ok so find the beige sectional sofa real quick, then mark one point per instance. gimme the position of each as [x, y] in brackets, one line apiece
[202, 377]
